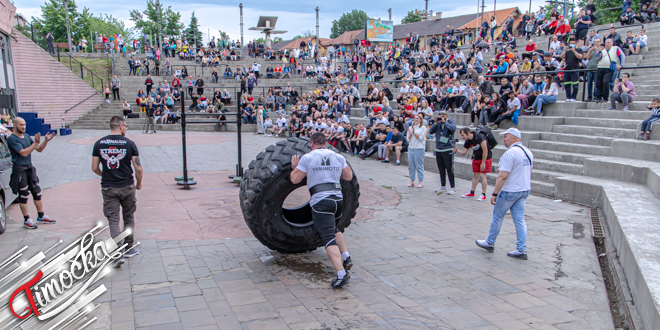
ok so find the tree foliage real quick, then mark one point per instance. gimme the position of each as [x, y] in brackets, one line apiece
[53, 19]
[305, 34]
[223, 35]
[147, 21]
[108, 25]
[412, 17]
[192, 32]
[355, 20]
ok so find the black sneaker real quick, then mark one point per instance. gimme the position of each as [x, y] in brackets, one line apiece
[132, 252]
[348, 263]
[385, 161]
[338, 284]
[362, 156]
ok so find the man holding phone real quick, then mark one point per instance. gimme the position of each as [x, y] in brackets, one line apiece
[573, 58]
[444, 129]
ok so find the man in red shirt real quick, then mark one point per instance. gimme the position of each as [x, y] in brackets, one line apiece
[106, 42]
[176, 83]
[529, 49]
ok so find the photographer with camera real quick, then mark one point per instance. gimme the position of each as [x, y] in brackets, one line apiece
[444, 129]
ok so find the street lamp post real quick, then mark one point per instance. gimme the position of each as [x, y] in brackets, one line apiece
[160, 34]
[68, 25]
[426, 23]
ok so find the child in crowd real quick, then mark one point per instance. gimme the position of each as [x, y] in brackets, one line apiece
[647, 124]
[106, 90]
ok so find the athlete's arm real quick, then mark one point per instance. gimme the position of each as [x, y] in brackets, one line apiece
[138, 172]
[96, 161]
[347, 173]
[296, 175]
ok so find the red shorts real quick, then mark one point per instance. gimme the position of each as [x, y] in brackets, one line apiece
[476, 166]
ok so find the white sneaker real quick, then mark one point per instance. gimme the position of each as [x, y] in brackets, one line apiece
[458, 109]
[451, 192]
[441, 190]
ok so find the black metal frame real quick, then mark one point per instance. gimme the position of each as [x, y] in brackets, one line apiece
[239, 166]
[620, 27]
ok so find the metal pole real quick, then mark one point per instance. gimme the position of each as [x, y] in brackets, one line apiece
[58, 52]
[476, 27]
[390, 11]
[32, 31]
[242, 43]
[239, 166]
[185, 183]
[426, 23]
[318, 46]
[494, 6]
[82, 76]
[530, 8]
[68, 24]
[565, 8]
[160, 35]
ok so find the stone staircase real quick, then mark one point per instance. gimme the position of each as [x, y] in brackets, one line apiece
[47, 87]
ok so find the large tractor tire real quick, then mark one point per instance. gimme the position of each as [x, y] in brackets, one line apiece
[265, 186]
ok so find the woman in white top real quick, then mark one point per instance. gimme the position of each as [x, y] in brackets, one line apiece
[549, 96]
[416, 146]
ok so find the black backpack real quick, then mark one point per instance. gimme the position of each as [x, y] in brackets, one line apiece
[490, 138]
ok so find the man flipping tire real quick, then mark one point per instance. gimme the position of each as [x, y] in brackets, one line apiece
[324, 169]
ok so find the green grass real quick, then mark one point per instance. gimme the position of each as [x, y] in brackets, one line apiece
[97, 66]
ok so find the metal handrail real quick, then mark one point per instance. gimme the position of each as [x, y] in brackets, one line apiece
[621, 27]
[81, 102]
[82, 68]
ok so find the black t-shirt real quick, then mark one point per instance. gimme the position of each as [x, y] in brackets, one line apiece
[16, 144]
[399, 137]
[475, 144]
[116, 153]
[572, 62]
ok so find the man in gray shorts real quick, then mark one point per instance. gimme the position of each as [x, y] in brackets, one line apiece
[324, 169]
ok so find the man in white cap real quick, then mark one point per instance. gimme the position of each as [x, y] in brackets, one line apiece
[510, 193]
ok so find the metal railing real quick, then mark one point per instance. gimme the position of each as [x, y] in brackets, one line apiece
[620, 27]
[81, 71]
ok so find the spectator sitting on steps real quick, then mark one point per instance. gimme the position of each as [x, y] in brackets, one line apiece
[624, 92]
[647, 124]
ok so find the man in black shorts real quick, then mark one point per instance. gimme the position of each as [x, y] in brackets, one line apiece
[24, 179]
[115, 153]
[324, 169]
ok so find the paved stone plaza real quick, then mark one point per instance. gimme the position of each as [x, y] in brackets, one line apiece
[416, 264]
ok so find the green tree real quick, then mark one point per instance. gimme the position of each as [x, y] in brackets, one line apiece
[108, 25]
[355, 20]
[223, 35]
[305, 34]
[412, 17]
[53, 19]
[192, 32]
[147, 21]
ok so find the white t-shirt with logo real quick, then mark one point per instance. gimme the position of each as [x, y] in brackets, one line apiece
[519, 167]
[383, 121]
[281, 122]
[322, 166]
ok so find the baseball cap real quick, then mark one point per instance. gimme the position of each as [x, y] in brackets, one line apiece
[513, 131]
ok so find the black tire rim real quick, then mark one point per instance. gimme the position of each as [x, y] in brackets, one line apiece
[300, 216]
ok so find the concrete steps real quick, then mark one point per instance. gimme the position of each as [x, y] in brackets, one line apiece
[596, 131]
[570, 147]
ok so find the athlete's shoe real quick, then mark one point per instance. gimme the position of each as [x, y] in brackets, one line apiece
[470, 194]
[484, 245]
[451, 192]
[348, 263]
[441, 190]
[29, 224]
[117, 263]
[517, 254]
[45, 219]
[482, 197]
[337, 283]
[132, 252]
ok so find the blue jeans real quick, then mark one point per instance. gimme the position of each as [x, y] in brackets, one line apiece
[492, 34]
[591, 78]
[514, 201]
[543, 99]
[363, 67]
[416, 164]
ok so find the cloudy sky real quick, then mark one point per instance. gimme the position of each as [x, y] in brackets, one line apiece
[295, 16]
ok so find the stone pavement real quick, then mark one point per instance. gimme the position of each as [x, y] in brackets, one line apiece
[416, 264]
